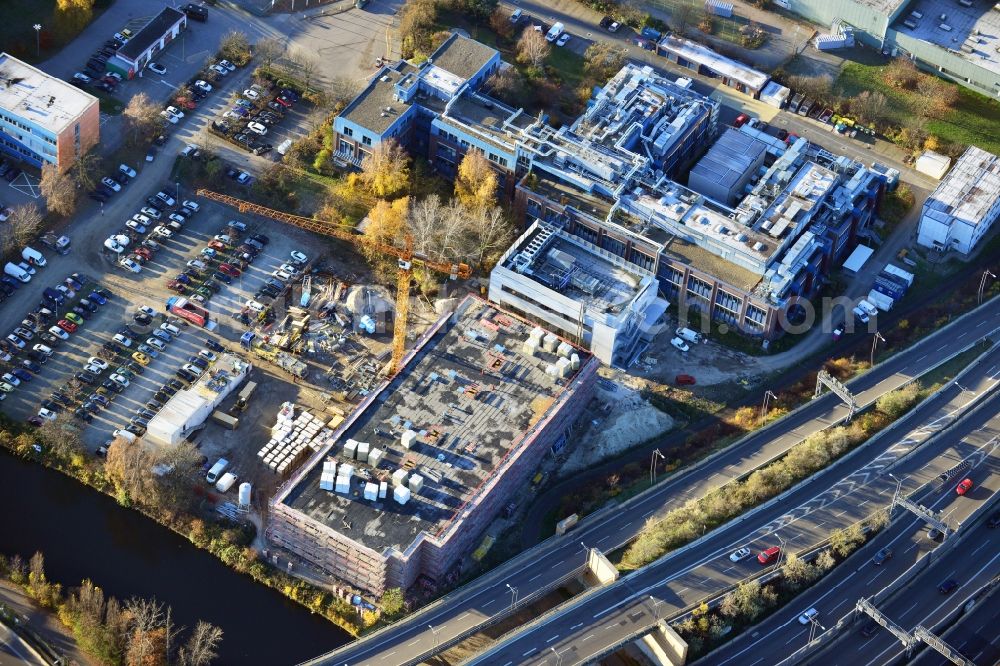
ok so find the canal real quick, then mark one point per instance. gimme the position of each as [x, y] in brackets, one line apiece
[85, 534]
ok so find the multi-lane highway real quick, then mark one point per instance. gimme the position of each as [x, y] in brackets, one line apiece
[463, 611]
[593, 625]
[975, 635]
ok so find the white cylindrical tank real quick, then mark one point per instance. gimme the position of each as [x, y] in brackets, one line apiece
[244, 494]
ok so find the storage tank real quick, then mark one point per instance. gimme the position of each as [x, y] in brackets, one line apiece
[245, 494]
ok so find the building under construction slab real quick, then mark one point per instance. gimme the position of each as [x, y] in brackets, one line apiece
[413, 476]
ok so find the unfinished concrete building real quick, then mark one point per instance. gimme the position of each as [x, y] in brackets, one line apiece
[413, 476]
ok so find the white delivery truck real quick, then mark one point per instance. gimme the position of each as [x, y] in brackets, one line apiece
[868, 307]
[218, 468]
[17, 272]
[689, 335]
[880, 300]
[226, 482]
[33, 256]
[554, 32]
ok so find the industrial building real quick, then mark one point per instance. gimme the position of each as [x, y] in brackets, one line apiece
[189, 408]
[155, 36]
[585, 293]
[703, 60]
[958, 40]
[756, 229]
[405, 485]
[964, 205]
[43, 119]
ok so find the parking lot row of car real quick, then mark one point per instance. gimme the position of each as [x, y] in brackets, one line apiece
[253, 115]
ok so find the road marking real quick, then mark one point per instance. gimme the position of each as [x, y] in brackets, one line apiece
[874, 577]
[648, 514]
[588, 637]
[537, 576]
[980, 548]
[414, 641]
[982, 323]
[576, 626]
[552, 639]
[386, 656]
[459, 618]
[529, 652]
[793, 638]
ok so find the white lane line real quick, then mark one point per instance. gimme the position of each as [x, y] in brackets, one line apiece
[648, 514]
[386, 656]
[459, 618]
[413, 642]
[552, 639]
[588, 637]
[534, 577]
[576, 626]
[529, 652]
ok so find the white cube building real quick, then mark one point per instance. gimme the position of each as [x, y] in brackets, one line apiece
[964, 206]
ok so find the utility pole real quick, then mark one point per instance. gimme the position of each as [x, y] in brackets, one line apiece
[875, 339]
[38, 48]
[982, 282]
[652, 465]
[768, 396]
[513, 596]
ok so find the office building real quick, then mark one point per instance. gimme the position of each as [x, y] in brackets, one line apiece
[144, 45]
[44, 120]
[964, 205]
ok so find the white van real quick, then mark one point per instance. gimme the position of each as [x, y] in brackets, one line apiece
[17, 272]
[226, 482]
[217, 469]
[284, 147]
[868, 307]
[554, 32]
[33, 256]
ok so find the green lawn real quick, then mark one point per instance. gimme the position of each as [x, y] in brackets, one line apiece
[568, 64]
[976, 120]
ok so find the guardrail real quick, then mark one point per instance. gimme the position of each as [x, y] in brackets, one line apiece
[590, 520]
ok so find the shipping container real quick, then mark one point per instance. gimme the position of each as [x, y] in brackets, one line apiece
[898, 272]
[225, 420]
[880, 300]
[890, 286]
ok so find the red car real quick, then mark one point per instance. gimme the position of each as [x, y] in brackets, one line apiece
[217, 245]
[144, 252]
[174, 285]
[67, 326]
[769, 555]
[741, 120]
[287, 103]
[229, 270]
[964, 487]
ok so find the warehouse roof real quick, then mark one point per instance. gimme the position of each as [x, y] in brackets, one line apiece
[729, 159]
[471, 395]
[721, 65]
[151, 33]
[39, 98]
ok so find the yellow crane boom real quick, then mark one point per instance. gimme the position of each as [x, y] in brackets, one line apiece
[405, 256]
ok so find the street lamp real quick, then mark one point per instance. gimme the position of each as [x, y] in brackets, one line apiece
[652, 465]
[875, 339]
[813, 624]
[656, 602]
[895, 495]
[768, 396]
[434, 634]
[982, 283]
[177, 191]
[781, 552]
[513, 596]
[38, 39]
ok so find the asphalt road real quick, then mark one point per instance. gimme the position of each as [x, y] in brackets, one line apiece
[836, 594]
[844, 493]
[14, 651]
[461, 612]
[975, 635]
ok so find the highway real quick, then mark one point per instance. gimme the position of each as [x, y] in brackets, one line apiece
[15, 652]
[975, 635]
[488, 598]
[590, 626]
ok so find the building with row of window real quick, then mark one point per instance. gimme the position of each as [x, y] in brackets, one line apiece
[43, 119]
[755, 230]
[964, 205]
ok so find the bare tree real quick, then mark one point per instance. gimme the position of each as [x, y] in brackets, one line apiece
[58, 189]
[508, 85]
[869, 107]
[308, 67]
[532, 49]
[602, 60]
[142, 118]
[128, 466]
[268, 50]
[492, 232]
[25, 221]
[86, 170]
[200, 648]
[235, 46]
[146, 642]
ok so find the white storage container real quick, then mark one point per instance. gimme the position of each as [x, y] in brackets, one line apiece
[362, 453]
[401, 494]
[383, 489]
[351, 448]
[343, 485]
[408, 438]
[564, 349]
[550, 342]
[399, 477]
[374, 457]
[416, 483]
[371, 491]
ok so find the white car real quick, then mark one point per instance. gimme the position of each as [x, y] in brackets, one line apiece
[95, 369]
[243, 178]
[207, 355]
[156, 343]
[165, 198]
[808, 616]
[251, 94]
[174, 111]
[59, 333]
[119, 379]
[297, 257]
[179, 219]
[111, 184]
[99, 362]
[146, 310]
[254, 306]
[219, 69]
[861, 315]
[122, 340]
[171, 329]
[169, 118]
[228, 65]
[680, 344]
[43, 349]
[16, 341]
[129, 264]
[565, 37]
[46, 414]
[141, 219]
[281, 275]
[11, 379]
[192, 206]
[223, 238]
[136, 226]
[288, 268]
[150, 212]
[6, 387]
[163, 232]
[203, 86]
[257, 128]
[127, 170]
[157, 68]
[193, 369]
[740, 555]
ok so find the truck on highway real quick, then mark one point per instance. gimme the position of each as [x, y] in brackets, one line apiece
[881, 301]
[185, 309]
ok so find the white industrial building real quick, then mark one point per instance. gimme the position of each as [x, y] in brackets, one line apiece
[189, 408]
[964, 206]
[588, 294]
[729, 166]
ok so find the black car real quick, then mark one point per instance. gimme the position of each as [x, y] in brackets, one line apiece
[52, 405]
[105, 86]
[160, 140]
[86, 377]
[882, 556]
[106, 293]
[948, 586]
[99, 399]
[136, 429]
[262, 149]
[61, 398]
[173, 383]
[185, 375]
[88, 305]
[198, 361]
[83, 415]
[135, 368]
[112, 347]
[160, 397]
[260, 238]
[144, 413]
[11, 282]
[168, 390]
[38, 357]
[155, 203]
[51, 340]
[142, 319]
[139, 422]
[213, 345]
[112, 386]
[218, 275]
[31, 365]
[154, 405]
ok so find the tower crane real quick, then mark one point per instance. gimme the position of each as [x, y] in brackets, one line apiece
[405, 256]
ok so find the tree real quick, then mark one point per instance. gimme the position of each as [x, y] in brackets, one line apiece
[308, 68]
[62, 439]
[200, 648]
[149, 633]
[142, 119]
[235, 47]
[896, 403]
[844, 541]
[479, 9]
[174, 490]
[869, 107]
[268, 50]
[797, 572]
[387, 224]
[901, 73]
[58, 189]
[340, 91]
[817, 87]
[25, 221]
[416, 20]
[602, 60]
[386, 170]
[532, 48]
[476, 182]
[86, 170]
[500, 23]
[71, 17]
[508, 85]
[128, 467]
[393, 603]
[492, 233]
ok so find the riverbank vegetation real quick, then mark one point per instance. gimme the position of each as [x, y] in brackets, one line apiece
[134, 632]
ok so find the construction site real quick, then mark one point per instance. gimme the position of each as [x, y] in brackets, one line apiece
[397, 491]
